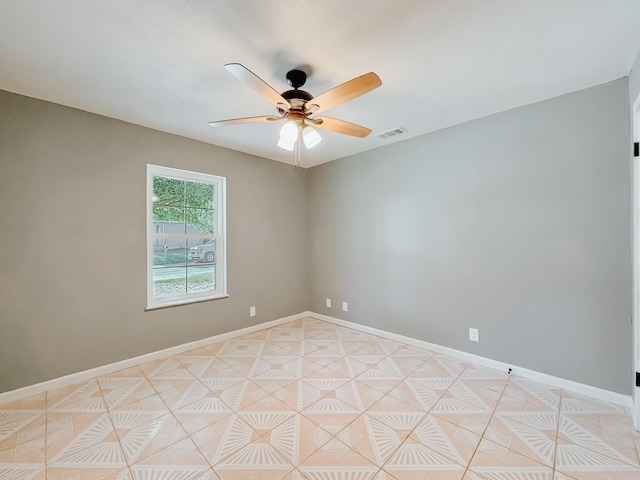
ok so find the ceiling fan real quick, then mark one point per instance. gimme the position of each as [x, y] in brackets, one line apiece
[299, 108]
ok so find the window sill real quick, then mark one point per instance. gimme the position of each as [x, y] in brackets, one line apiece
[186, 302]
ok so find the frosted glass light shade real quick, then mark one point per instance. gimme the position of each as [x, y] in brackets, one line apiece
[286, 145]
[289, 132]
[310, 136]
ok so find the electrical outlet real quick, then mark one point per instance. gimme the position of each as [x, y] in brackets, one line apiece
[345, 307]
[252, 312]
[474, 335]
[328, 303]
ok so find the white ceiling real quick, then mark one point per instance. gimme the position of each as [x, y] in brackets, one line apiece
[160, 63]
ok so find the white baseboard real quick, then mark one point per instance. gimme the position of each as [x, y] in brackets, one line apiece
[84, 375]
[588, 390]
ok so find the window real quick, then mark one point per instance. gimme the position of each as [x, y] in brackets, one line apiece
[185, 237]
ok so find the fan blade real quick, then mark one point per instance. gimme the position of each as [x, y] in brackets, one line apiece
[340, 126]
[242, 121]
[344, 93]
[256, 83]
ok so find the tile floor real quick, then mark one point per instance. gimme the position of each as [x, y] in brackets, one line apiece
[310, 400]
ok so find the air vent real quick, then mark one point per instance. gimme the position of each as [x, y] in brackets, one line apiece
[391, 133]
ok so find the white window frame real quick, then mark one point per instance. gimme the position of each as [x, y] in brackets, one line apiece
[220, 237]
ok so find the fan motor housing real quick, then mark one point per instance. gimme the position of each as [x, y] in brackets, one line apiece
[297, 98]
[296, 95]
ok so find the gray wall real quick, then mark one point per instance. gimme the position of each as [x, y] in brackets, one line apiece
[517, 224]
[634, 81]
[73, 248]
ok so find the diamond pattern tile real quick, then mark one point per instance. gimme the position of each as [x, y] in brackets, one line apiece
[309, 400]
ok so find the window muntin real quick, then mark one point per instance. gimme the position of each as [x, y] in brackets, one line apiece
[185, 236]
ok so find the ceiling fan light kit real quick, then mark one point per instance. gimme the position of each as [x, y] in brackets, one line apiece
[286, 145]
[289, 132]
[310, 137]
[297, 107]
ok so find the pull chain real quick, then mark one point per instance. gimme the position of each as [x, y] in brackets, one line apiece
[296, 160]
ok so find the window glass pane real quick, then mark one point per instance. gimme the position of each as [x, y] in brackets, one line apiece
[200, 195]
[199, 221]
[169, 220]
[202, 251]
[169, 267]
[201, 278]
[170, 276]
[168, 192]
[169, 281]
[169, 252]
